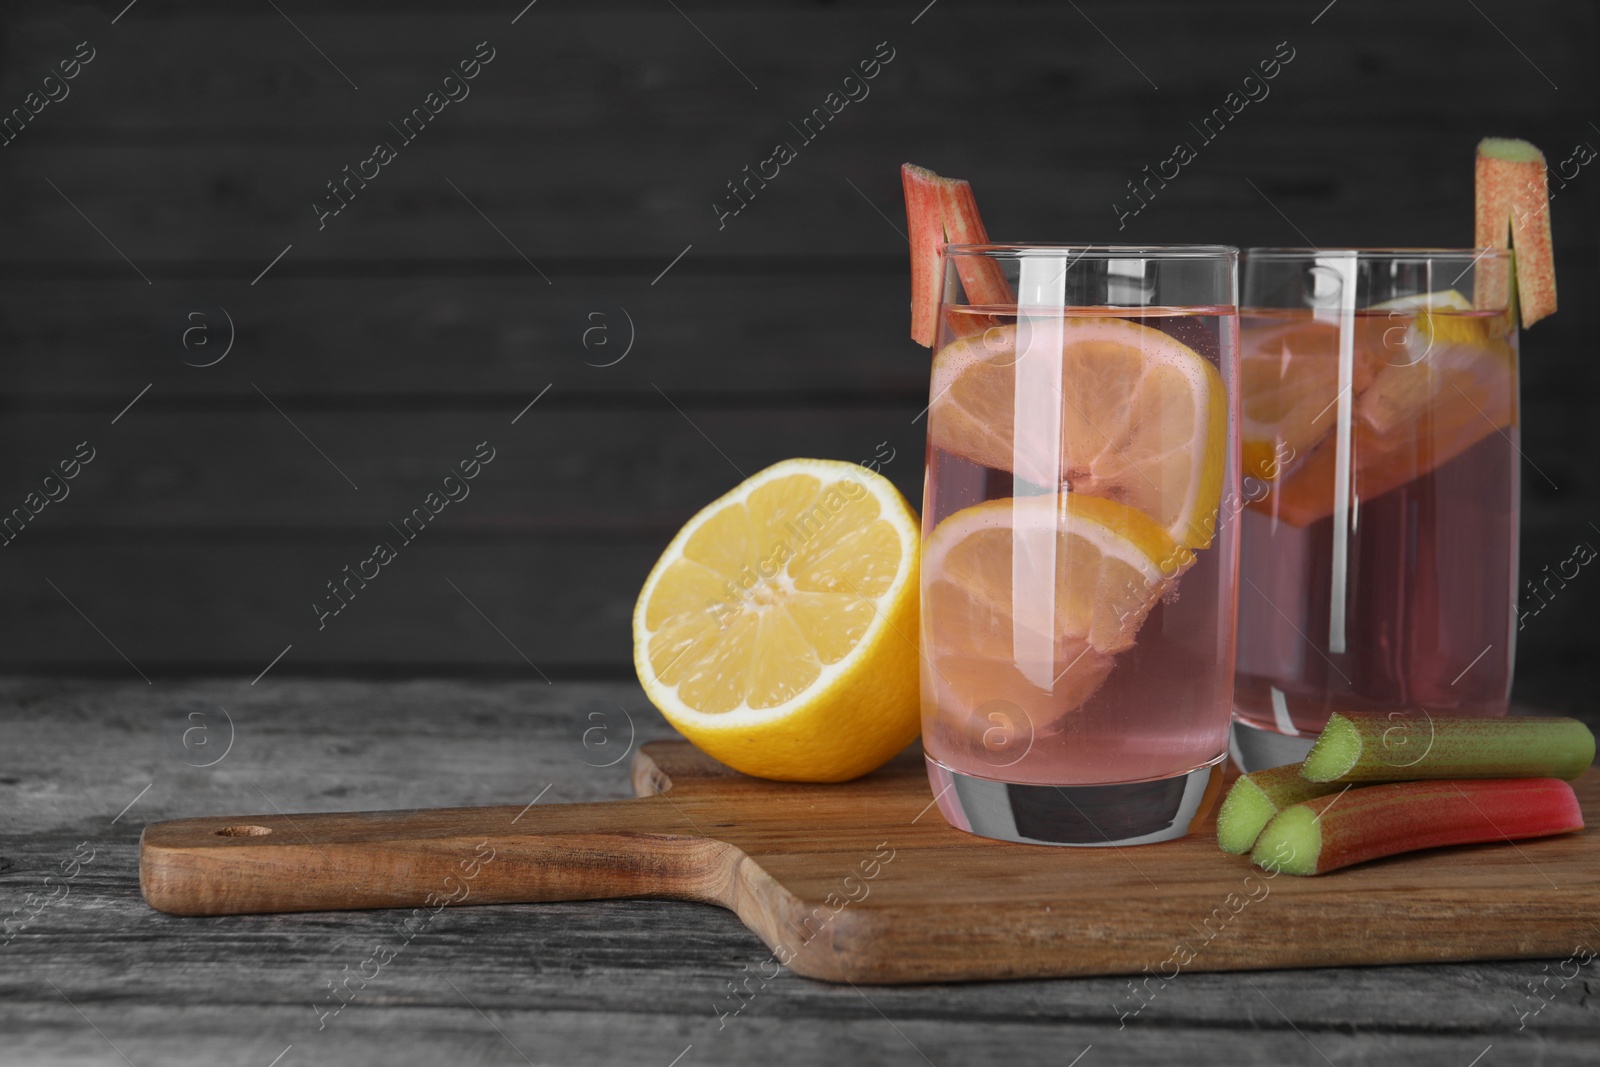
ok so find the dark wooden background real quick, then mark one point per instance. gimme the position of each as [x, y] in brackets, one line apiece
[596, 141]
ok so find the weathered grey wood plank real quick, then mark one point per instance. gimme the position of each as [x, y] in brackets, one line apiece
[792, 333]
[642, 466]
[182, 68]
[536, 146]
[795, 331]
[412, 1033]
[163, 212]
[207, 607]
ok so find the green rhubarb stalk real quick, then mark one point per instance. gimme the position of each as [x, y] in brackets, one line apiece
[1256, 797]
[1393, 747]
[1356, 825]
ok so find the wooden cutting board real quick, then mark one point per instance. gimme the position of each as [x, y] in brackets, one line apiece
[865, 882]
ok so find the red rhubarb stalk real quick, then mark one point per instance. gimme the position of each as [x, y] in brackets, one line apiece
[941, 211]
[983, 279]
[1513, 211]
[925, 217]
[1366, 823]
[1255, 798]
[1406, 746]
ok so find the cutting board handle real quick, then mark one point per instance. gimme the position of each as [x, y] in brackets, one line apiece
[429, 858]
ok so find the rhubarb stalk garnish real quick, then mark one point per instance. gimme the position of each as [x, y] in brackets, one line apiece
[925, 217]
[1255, 798]
[1513, 211]
[1379, 747]
[1360, 824]
[941, 211]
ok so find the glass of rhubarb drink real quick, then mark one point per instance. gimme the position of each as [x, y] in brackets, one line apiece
[1378, 395]
[1079, 560]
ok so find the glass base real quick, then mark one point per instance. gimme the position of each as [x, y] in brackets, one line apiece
[1087, 816]
[1255, 748]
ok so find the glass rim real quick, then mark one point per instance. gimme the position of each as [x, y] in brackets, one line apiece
[1095, 251]
[1380, 254]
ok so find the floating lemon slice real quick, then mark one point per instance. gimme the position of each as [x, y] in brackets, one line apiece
[1439, 319]
[1448, 384]
[778, 630]
[1441, 300]
[1406, 363]
[1458, 361]
[1030, 599]
[1289, 385]
[1143, 417]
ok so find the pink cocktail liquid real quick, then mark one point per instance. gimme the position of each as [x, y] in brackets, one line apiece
[1413, 611]
[1162, 709]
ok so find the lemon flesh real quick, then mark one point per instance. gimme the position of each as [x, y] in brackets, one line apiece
[778, 630]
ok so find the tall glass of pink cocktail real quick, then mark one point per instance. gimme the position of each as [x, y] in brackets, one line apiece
[1379, 544]
[1080, 540]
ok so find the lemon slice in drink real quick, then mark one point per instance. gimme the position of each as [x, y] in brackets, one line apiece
[1439, 300]
[1454, 363]
[1030, 599]
[1440, 318]
[1143, 417]
[778, 630]
[1289, 388]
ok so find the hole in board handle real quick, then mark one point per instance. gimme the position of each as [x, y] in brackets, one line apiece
[244, 831]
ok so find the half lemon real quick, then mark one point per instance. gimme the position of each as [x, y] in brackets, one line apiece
[778, 630]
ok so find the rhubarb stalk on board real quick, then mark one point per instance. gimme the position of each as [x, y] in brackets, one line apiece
[1401, 746]
[1255, 798]
[1369, 822]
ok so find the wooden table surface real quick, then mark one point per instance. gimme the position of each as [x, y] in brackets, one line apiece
[93, 976]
